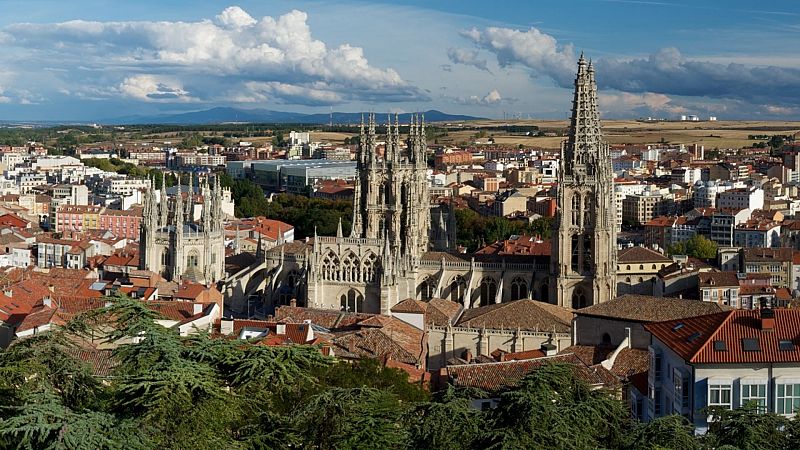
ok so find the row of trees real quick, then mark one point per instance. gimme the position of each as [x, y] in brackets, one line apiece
[167, 391]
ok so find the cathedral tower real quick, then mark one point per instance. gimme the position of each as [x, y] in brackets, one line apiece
[584, 245]
[176, 246]
[391, 192]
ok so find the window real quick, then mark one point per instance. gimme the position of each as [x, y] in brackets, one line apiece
[755, 392]
[787, 398]
[719, 395]
[657, 366]
[657, 402]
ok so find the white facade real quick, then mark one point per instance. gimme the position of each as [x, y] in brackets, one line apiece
[743, 198]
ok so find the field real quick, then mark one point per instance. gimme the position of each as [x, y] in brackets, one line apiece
[721, 134]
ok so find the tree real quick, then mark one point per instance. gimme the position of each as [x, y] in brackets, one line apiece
[747, 428]
[554, 409]
[697, 247]
[341, 418]
[668, 432]
[448, 423]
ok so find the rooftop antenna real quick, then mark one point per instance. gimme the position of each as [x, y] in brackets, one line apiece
[330, 121]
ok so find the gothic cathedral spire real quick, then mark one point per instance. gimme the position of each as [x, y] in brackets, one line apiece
[584, 254]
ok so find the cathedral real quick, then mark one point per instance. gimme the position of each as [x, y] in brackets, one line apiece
[396, 251]
[176, 246]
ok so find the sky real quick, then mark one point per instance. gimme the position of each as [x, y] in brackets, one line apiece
[94, 60]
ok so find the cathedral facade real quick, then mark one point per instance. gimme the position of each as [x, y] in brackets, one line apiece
[177, 247]
[396, 251]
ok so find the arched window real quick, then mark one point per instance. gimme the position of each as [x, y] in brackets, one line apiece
[628, 267]
[654, 267]
[352, 301]
[574, 242]
[165, 258]
[330, 267]
[641, 266]
[427, 288]
[576, 208]
[191, 259]
[458, 286]
[587, 253]
[488, 291]
[370, 267]
[579, 299]
[350, 268]
[519, 289]
[587, 211]
[627, 279]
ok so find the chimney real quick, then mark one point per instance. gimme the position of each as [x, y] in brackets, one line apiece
[197, 308]
[226, 326]
[549, 349]
[47, 301]
[767, 319]
[467, 356]
[293, 302]
[280, 328]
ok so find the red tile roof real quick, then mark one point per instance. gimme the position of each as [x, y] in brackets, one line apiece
[694, 341]
[499, 376]
[530, 315]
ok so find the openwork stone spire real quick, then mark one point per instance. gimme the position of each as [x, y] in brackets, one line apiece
[584, 146]
[584, 248]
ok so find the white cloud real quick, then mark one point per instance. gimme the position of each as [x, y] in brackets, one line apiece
[234, 47]
[235, 17]
[467, 57]
[153, 88]
[647, 102]
[258, 92]
[539, 51]
[491, 98]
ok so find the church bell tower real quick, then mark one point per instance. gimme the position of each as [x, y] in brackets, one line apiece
[584, 245]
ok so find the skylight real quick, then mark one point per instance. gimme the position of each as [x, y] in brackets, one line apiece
[786, 346]
[693, 337]
[751, 345]
[677, 326]
[719, 346]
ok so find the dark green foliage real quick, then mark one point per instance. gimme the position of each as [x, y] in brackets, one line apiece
[669, 432]
[447, 423]
[304, 213]
[358, 418]
[202, 392]
[697, 246]
[554, 409]
[475, 230]
[747, 429]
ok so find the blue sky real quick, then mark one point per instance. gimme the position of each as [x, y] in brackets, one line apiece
[91, 60]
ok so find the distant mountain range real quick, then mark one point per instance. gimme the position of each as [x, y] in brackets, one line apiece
[233, 115]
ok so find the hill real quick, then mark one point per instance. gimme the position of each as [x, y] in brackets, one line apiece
[234, 115]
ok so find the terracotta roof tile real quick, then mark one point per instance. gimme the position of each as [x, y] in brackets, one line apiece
[695, 340]
[644, 308]
[523, 314]
[441, 312]
[410, 305]
[639, 255]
